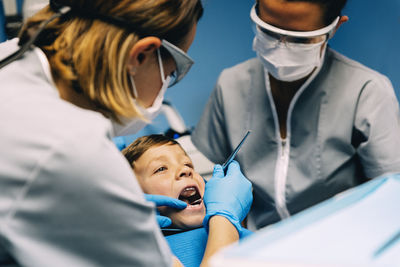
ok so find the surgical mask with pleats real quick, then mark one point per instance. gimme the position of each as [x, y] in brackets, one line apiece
[134, 125]
[287, 62]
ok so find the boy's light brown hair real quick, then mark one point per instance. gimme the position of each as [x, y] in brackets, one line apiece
[135, 150]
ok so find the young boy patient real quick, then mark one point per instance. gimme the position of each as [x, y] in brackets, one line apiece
[162, 167]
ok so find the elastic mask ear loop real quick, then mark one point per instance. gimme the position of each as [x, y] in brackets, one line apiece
[134, 90]
[161, 66]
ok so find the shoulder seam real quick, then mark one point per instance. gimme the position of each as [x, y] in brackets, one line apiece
[354, 64]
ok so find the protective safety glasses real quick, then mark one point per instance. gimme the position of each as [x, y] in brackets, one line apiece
[293, 37]
[182, 61]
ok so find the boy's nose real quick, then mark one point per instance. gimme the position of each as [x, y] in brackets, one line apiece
[185, 173]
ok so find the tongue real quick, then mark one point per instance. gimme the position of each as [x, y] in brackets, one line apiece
[188, 193]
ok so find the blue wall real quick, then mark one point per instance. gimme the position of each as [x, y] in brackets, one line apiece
[372, 36]
[224, 38]
[3, 36]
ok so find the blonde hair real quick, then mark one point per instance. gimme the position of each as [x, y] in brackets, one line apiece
[90, 54]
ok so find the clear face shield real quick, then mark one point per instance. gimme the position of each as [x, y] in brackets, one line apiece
[293, 38]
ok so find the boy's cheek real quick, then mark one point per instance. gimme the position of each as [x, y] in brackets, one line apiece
[166, 211]
[173, 215]
[162, 211]
[201, 183]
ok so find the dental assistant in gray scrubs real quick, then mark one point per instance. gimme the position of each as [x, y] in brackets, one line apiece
[321, 123]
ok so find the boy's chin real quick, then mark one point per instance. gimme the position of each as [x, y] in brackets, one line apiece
[187, 223]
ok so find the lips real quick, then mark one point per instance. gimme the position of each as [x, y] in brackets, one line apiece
[191, 196]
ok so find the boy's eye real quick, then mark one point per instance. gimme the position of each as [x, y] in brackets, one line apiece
[190, 165]
[160, 169]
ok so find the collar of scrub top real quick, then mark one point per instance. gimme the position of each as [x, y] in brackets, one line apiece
[303, 37]
[182, 60]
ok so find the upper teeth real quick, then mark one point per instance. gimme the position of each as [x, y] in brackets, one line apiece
[189, 188]
[192, 189]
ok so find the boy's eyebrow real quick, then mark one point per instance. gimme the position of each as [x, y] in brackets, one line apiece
[157, 158]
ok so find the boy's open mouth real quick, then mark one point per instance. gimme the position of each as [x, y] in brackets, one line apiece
[191, 196]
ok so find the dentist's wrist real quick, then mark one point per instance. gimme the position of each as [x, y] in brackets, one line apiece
[234, 221]
[217, 223]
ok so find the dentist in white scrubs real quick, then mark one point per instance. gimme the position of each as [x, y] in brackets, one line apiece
[321, 123]
[80, 73]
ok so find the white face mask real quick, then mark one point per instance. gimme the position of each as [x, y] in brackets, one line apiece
[287, 62]
[134, 125]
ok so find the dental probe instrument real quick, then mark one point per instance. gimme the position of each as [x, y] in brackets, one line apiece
[232, 156]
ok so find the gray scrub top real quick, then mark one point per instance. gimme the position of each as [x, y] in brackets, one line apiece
[343, 127]
[67, 195]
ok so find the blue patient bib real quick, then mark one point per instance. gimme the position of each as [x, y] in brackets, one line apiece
[189, 246]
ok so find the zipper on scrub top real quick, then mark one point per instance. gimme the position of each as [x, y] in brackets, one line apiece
[280, 178]
[282, 159]
[282, 164]
[283, 144]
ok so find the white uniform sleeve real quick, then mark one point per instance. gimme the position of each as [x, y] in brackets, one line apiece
[82, 206]
[210, 136]
[377, 124]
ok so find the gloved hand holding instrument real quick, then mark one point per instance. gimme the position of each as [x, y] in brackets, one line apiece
[228, 195]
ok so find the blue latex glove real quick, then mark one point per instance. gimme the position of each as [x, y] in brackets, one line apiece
[160, 200]
[229, 196]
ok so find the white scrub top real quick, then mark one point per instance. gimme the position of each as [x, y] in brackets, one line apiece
[67, 195]
[343, 127]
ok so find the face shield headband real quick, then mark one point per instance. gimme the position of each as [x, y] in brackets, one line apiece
[293, 36]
